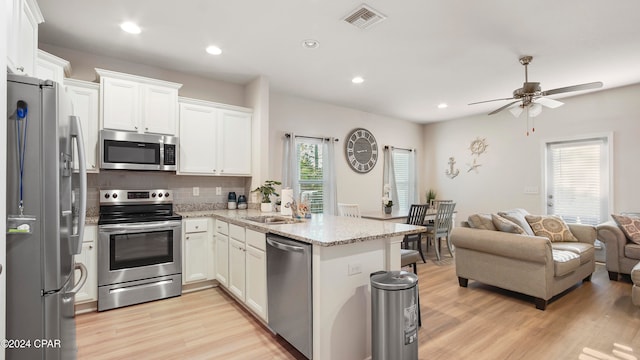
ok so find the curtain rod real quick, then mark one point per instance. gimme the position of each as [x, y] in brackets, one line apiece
[310, 137]
[393, 147]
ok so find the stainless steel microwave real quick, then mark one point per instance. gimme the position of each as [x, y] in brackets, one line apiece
[132, 151]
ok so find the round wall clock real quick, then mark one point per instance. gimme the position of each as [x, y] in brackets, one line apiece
[361, 150]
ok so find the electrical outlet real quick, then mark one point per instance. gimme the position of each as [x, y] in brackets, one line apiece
[196, 191]
[218, 190]
[355, 268]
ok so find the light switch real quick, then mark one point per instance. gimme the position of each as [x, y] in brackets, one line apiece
[196, 191]
[218, 190]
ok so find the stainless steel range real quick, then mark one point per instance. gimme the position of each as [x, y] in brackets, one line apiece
[139, 247]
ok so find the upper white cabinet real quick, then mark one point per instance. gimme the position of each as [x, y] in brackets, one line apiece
[22, 18]
[51, 67]
[139, 104]
[215, 139]
[85, 99]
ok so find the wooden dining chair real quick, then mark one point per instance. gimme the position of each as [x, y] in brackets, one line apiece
[441, 227]
[417, 212]
[349, 210]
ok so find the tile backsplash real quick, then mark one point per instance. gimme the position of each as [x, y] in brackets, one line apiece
[182, 186]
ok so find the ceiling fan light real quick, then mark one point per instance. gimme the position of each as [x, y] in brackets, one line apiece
[535, 109]
[516, 111]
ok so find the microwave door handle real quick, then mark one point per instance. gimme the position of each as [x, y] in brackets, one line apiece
[76, 133]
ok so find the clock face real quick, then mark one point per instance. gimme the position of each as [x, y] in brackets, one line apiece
[361, 150]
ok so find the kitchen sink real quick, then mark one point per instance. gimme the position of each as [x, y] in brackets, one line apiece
[272, 219]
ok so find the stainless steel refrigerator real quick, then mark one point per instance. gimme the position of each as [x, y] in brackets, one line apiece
[46, 205]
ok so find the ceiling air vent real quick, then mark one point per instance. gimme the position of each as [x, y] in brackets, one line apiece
[364, 16]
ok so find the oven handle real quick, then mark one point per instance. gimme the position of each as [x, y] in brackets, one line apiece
[157, 226]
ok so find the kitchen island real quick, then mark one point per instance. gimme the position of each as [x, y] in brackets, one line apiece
[344, 252]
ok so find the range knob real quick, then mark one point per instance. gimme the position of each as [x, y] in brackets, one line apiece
[160, 195]
[114, 195]
[106, 195]
[153, 195]
[166, 194]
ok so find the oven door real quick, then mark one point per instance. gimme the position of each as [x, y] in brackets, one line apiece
[135, 251]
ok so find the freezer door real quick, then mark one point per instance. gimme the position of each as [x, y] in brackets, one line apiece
[59, 340]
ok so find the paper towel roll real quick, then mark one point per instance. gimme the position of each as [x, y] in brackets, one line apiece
[287, 198]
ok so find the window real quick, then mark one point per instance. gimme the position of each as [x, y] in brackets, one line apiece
[310, 172]
[578, 180]
[402, 173]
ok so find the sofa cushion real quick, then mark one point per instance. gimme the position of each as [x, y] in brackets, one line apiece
[551, 227]
[630, 226]
[585, 251]
[481, 221]
[565, 262]
[505, 225]
[518, 217]
[632, 251]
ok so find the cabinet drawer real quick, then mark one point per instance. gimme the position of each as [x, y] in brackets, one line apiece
[196, 225]
[222, 227]
[256, 239]
[236, 232]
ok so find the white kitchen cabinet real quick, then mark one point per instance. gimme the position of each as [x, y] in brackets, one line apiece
[215, 139]
[237, 261]
[197, 250]
[22, 19]
[88, 257]
[222, 253]
[51, 67]
[85, 99]
[256, 273]
[138, 104]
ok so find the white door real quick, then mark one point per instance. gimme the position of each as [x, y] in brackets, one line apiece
[197, 139]
[256, 281]
[578, 185]
[160, 109]
[85, 98]
[121, 104]
[196, 256]
[235, 142]
[237, 268]
[222, 259]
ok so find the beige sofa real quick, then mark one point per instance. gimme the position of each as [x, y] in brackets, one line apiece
[622, 254]
[530, 265]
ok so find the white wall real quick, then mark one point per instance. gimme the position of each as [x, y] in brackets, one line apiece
[311, 118]
[514, 160]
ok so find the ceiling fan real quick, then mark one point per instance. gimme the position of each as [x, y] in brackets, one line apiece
[532, 98]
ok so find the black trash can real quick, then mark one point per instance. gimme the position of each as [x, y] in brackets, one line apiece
[394, 315]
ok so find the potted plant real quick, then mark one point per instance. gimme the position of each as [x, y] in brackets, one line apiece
[266, 190]
[386, 199]
[431, 195]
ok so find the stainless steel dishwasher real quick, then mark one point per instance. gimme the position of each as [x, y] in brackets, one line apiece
[289, 291]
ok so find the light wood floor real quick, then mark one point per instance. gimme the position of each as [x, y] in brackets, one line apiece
[591, 321]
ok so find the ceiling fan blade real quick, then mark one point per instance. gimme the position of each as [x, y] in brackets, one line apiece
[502, 108]
[550, 103]
[486, 101]
[587, 86]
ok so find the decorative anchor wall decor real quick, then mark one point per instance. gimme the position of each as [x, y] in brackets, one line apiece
[451, 172]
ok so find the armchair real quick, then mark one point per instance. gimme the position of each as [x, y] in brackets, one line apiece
[622, 254]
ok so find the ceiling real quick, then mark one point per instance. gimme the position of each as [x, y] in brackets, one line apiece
[424, 52]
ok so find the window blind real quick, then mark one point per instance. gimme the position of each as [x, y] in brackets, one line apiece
[401, 169]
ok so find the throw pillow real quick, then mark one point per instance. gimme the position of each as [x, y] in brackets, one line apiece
[505, 225]
[551, 227]
[630, 226]
[481, 221]
[517, 216]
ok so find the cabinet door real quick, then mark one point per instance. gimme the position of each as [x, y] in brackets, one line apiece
[159, 109]
[237, 268]
[256, 281]
[196, 259]
[85, 98]
[88, 257]
[197, 139]
[12, 23]
[120, 104]
[27, 44]
[234, 151]
[222, 259]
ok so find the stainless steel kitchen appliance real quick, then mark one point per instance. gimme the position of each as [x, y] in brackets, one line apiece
[123, 150]
[289, 291]
[44, 226]
[139, 247]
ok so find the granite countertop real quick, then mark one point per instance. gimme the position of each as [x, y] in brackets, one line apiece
[321, 230]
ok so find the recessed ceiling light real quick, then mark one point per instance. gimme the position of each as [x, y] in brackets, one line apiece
[214, 50]
[442, 106]
[310, 44]
[357, 80]
[130, 27]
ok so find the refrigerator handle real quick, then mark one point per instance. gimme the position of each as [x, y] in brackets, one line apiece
[83, 277]
[76, 133]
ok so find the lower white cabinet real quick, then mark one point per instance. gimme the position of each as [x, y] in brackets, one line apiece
[237, 261]
[88, 257]
[222, 253]
[197, 250]
[256, 273]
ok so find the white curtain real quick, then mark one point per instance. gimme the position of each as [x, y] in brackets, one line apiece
[414, 194]
[389, 177]
[330, 205]
[290, 165]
